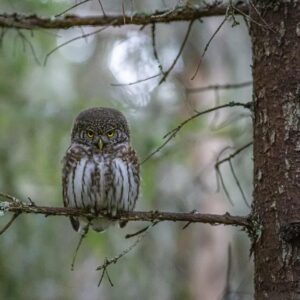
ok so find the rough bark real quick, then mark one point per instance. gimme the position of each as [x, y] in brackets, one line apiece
[276, 76]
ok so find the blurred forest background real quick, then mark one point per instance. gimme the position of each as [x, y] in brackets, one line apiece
[37, 106]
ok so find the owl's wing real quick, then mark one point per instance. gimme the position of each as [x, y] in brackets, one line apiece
[66, 168]
[131, 160]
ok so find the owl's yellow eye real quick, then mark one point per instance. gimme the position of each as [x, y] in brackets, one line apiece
[90, 134]
[110, 134]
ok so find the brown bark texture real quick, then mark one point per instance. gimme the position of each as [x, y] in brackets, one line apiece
[182, 13]
[275, 33]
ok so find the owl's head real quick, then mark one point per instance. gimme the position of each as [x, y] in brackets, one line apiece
[101, 128]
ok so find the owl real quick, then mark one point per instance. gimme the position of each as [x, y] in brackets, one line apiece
[100, 168]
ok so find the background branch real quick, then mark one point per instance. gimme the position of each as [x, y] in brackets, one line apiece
[186, 13]
[219, 87]
[171, 134]
[166, 73]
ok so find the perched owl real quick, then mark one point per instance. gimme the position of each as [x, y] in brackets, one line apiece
[100, 168]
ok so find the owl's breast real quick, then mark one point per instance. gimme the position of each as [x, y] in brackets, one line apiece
[101, 182]
[124, 185]
[86, 183]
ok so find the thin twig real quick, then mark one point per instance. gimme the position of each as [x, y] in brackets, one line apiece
[108, 277]
[217, 159]
[242, 282]
[71, 7]
[13, 218]
[224, 186]
[168, 12]
[82, 36]
[130, 235]
[108, 262]
[258, 13]
[166, 73]
[233, 154]
[123, 11]
[238, 184]
[268, 27]
[24, 38]
[9, 197]
[171, 134]
[2, 34]
[208, 44]
[219, 174]
[155, 54]
[227, 288]
[194, 211]
[31, 201]
[102, 8]
[219, 87]
[137, 81]
[213, 123]
[82, 236]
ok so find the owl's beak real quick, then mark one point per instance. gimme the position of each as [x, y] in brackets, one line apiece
[100, 144]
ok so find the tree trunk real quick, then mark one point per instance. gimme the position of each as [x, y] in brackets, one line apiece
[275, 33]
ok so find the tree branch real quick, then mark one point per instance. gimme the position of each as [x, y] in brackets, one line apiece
[179, 14]
[151, 216]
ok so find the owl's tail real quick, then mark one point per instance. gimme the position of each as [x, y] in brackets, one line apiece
[100, 225]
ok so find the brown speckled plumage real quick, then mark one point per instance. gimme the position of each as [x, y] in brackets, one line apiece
[101, 169]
